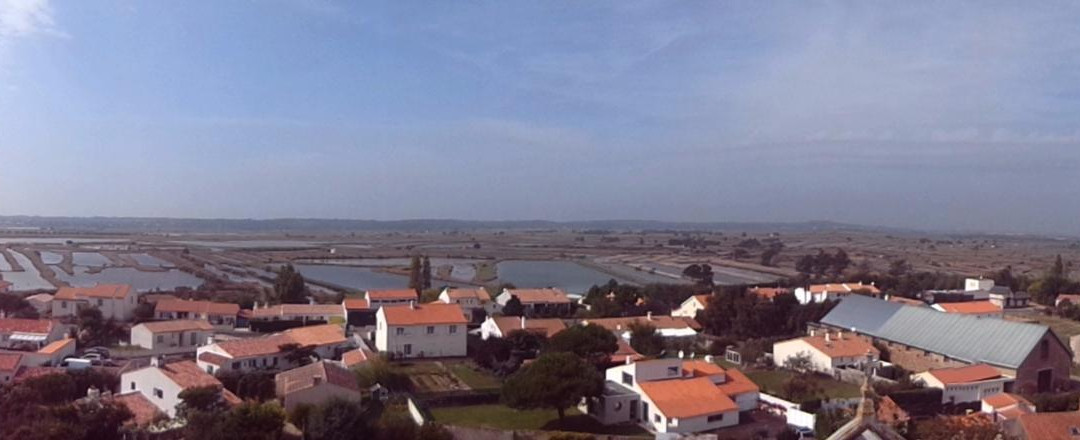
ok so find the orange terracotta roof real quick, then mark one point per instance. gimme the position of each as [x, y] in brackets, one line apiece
[296, 310]
[12, 325]
[625, 351]
[843, 288]
[230, 398]
[1050, 425]
[970, 307]
[684, 398]
[424, 314]
[213, 358]
[113, 291]
[847, 345]
[699, 368]
[10, 361]
[540, 296]
[660, 322]
[178, 325]
[187, 374]
[305, 377]
[206, 307]
[1001, 400]
[391, 294]
[317, 335]
[545, 326]
[906, 301]
[325, 334]
[702, 299]
[737, 383]
[356, 304]
[356, 357]
[467, 293]
[56, 346]
[970, 373]
[770, 293]
[144, 411]
[242, 348]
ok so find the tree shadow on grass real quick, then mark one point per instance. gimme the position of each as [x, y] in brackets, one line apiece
[584, 423]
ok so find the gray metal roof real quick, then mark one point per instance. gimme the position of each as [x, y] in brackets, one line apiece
[971, 339]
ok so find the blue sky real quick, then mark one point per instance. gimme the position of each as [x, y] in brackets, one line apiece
[942, 115]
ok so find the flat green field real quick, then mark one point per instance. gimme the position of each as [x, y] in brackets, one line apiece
[503, 417]
[772, 382]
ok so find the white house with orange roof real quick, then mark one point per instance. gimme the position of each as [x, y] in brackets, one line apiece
[547, 302]
[421, 330]
[33, 333]
[220, 315]
[673, 396]
[470, 299]
[827, 350]
[666, 326]
[316, 383]
[970, 383]
[318, 313]
[691, 306]
[177, 333]
[981, 309]
[161, 383]
[328, 341]
[116, 301]
[822, 292]
[387, 297]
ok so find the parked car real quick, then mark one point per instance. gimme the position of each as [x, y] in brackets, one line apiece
[104, 352]
[94, 356]
[73, 364]
[803, 432]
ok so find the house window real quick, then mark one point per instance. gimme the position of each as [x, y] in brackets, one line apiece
[673, 371]
[63, 304]
[275, 361]
[453, 329]
[236, 365]
[627, 379]
[133, 385]
[1044, 349]
[158, 393]
[100, 303]
[408, 348]
[716, 418]
[430, 329]
[657, 418]
[400, 331]
[160, 339]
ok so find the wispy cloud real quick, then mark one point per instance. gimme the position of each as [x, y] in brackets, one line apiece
[25, 18]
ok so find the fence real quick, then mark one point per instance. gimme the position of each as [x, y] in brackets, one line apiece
[790, 411]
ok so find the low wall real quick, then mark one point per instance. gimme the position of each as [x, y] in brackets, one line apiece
[790, 411]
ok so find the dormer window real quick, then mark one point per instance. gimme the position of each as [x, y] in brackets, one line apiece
[673, 370]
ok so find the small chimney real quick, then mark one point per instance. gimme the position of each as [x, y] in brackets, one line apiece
[93, 393]
[839, 336]
[311, 301]
[209, 340]
[523, 323]
[681, 354]
[708, 358]
[155, 361]
[828, 337]
[412, 304]
[813, 333]
[648, 316]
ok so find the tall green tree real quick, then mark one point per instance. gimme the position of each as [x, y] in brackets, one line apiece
[289, 287]
[590, 342]
[513, 307]
[336, 419]
[425, 273]
[416, 280]
[645, 340]
[555, 380]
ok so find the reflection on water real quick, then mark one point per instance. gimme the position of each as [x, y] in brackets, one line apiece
[352, 277]
[89, 259]
[30, 279]
[142, 281]
[567, 275]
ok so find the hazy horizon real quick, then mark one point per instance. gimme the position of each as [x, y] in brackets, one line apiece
[955, 116]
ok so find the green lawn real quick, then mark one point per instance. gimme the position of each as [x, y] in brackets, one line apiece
[772, 382]
[477, 380]
[502, 417]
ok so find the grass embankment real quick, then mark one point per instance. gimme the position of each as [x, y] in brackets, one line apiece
[772, 382]
[485, 272]
[503, 417]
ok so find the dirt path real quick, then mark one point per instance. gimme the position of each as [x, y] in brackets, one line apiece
[67, 262]
[15, 266]
[43, 269]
